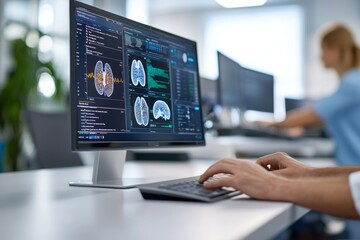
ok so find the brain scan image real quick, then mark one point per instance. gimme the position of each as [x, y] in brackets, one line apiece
[141, 111]
[144, 112]
[184, 57]
[138, 73]
[161, 110]
[103, 79]
[109, 81]
[99, 77]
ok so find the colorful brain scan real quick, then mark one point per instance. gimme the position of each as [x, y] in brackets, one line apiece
[138, 73]
[141, 111]
[103, 79]
[109, 81]
[161, 110]
[99, 77]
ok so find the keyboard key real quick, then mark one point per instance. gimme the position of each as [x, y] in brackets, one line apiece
[187, 189]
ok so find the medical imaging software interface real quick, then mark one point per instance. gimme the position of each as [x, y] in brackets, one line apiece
[133, 82]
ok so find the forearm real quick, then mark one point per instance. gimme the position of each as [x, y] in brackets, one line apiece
[327, 195]
[289, 122]
[300, 118]
[332, 171]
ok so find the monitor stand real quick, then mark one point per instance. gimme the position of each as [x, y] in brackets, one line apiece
[108, 171]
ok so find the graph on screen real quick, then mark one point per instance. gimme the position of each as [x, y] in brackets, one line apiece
[158, 75]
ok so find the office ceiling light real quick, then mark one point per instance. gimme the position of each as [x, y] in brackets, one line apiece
[240, 3]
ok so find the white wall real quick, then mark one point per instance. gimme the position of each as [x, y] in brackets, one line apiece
[114, 6]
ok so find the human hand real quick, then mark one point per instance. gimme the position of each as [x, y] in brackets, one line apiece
[294, 131]
[283, 165]
[245, 176]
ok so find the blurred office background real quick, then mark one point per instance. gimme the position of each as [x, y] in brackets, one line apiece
[280, 38]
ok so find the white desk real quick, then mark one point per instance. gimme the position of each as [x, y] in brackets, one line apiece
[40, 205]
[231, 146]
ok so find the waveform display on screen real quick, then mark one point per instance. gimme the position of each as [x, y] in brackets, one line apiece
[116, 80]
[153, 84]
[90, 75]
[158, 74]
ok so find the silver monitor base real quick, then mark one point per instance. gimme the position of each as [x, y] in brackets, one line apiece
[108, 171]
[119, 184]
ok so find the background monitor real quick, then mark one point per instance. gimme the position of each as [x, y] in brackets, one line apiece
[209, 91]
[228, 81]
[293, 103]
[209, 96]
[257, 90]
[132, 86]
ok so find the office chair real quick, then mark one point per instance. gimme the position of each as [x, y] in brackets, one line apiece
[51, 135]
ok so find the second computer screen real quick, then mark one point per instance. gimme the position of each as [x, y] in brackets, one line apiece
[257, 90]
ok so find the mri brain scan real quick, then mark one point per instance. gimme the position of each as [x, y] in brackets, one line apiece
[141, 111]
[109, 81]
[138, 73]
[161, 110]
[99, 78]
[103, 79]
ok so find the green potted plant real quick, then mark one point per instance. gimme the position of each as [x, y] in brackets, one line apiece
[20, 85]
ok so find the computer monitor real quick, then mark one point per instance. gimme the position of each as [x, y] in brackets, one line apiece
[257, 90]
[132, 86]
[209, 91]
[293, 103]
[209, 96]
[228, 81]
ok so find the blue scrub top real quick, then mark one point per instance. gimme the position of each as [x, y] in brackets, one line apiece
[340, 113]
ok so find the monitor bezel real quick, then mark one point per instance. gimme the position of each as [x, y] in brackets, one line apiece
[119, 145]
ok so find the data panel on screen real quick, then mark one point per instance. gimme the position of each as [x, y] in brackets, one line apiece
[134, 82]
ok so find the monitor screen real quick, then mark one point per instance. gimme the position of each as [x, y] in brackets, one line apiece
[209, 96]
[292, 103]
[257, 90]
[209, 92]
[228, 82]
[132, 86]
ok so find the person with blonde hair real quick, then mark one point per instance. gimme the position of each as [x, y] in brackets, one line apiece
[339, 113]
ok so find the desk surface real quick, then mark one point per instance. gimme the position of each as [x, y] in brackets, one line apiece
[40, 205]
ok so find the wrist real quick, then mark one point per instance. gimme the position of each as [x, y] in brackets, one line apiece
[281, 189]
[312, 172]
[309, 172]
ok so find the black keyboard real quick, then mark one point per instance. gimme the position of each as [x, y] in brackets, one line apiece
[185, 189]
[256, 131]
